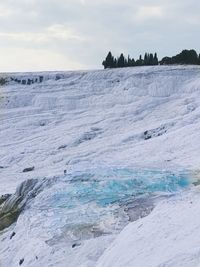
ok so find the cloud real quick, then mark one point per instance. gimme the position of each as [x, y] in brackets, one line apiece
[5, 11]
[193, 20]
[149, 12]
[53, 32]
[35, 60]
[83, 2]
[83, 31]
[59, 31]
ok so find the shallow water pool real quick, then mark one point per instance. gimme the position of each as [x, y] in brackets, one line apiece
[88, 204]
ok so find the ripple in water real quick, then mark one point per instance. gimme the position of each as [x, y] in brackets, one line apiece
[88, 204]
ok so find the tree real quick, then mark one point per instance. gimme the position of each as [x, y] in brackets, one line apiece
[129, 62]
[140, 61]
[121, 61]
[166, 61]
[155, 59]
[189, 56]
[115, 63]
[151, 60]
[185, 57]
[146, 59]
[109, 62]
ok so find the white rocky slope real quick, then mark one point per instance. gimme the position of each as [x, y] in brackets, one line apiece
[168, 237]
[114, 107]
[146, 117]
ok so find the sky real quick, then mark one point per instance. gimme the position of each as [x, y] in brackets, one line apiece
[38, 35]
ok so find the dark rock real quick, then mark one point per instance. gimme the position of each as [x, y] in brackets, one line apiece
[41, 78]
[75, 245]
[15, 203]
[147, 137]
[62, 147]
[159, 131]
[65, 171]
[197, 183]
[23, 82]
[1, 167]
[8, 218]
[3, 198]
[58, 77]
[21, 261]
[29, 169]
[17, 81]
[87, 136]
[12, 235]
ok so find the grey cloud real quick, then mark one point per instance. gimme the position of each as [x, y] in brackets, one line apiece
[128, 26]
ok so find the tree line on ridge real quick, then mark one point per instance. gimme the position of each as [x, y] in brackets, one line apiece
[185, 57]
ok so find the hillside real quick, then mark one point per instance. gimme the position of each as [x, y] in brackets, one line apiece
[133, 122]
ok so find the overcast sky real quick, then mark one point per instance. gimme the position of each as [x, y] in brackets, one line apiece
[77, 34]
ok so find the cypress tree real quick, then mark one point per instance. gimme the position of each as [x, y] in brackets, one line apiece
[133, 62]
[129, 62]
[151, 61]
[185, 57]
[109, 61]
[121, 61]
[115, 63]
[146, 59]
[141, 62]
[155, 59]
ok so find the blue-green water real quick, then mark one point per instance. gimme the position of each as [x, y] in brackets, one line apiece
[105, 187]
[80, 204]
